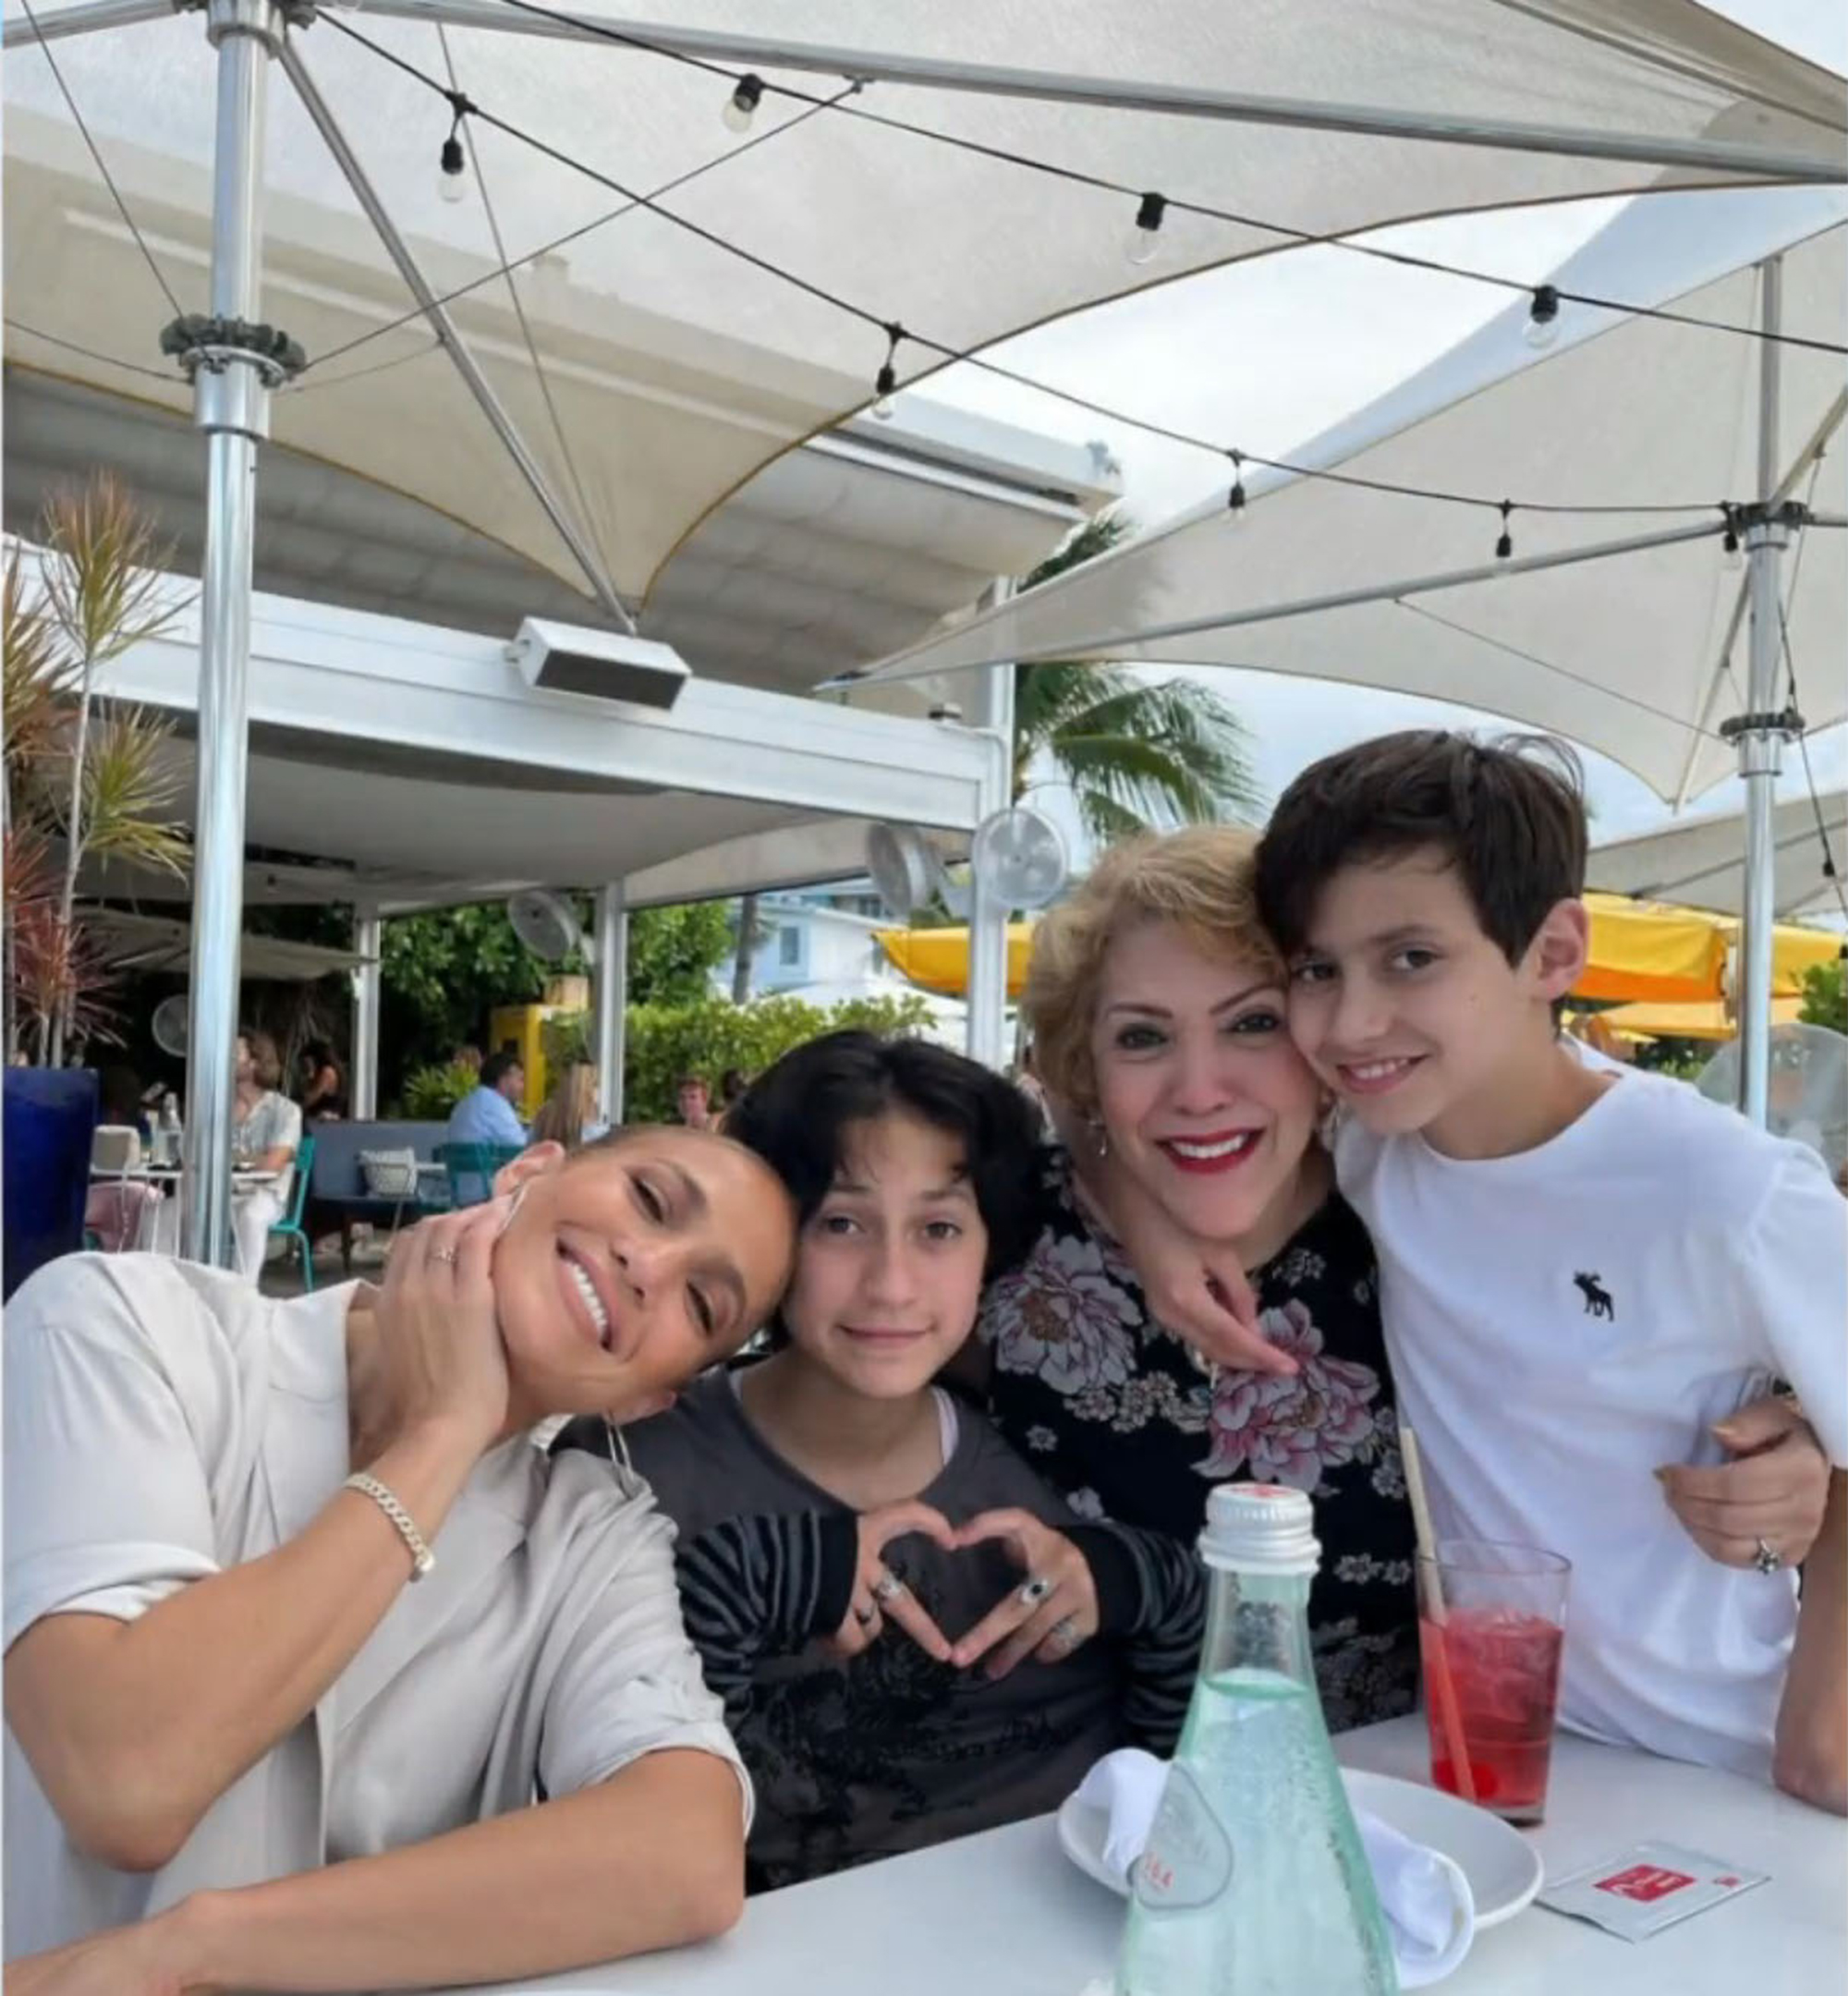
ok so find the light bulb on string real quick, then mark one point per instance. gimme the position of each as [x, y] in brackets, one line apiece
[451, 182]
[741, 105]
[1235, 499]
[1504, 545]
[1542, 328]
[1730, 558]
[1142, 242]
[885, 383]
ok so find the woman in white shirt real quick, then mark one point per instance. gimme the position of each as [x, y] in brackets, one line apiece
[241, 1751]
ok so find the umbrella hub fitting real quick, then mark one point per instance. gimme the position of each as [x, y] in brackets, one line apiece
[231, 364]
[263, 18]
[1759, 739]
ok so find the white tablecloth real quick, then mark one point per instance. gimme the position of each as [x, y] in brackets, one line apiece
[1006, 1915]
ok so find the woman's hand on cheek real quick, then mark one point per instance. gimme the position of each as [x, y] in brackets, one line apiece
[439, 1336]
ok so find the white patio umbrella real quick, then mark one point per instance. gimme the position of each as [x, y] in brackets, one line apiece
[1701, 861]
[1622, 628]
[767, 281]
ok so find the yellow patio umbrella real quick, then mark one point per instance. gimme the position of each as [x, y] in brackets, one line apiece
[1709, 1019]
[939, 958]
[1644, 950]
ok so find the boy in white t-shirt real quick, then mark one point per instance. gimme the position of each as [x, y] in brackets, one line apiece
[1582, 1269]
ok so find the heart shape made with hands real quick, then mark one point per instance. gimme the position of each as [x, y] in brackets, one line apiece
[1016, 1626]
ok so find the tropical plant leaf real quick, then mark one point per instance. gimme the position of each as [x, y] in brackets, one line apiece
[132, 789]
[103, 580]
[1135, 752]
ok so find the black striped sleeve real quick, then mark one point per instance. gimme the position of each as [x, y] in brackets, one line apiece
[1151, 1598]
[762, 1586]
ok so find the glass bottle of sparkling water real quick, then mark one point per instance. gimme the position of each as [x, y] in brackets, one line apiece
[1253, 1883]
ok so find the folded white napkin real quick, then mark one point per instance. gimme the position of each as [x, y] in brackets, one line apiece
[1424, 1894]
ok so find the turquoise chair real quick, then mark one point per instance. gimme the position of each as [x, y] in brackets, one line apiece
[471, 1168]
[289, 1227]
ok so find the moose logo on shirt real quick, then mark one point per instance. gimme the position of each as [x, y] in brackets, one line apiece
[1597, 1296]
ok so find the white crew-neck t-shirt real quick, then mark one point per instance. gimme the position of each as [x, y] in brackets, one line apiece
[1564, 1320]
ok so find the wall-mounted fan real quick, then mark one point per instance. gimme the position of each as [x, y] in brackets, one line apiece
[1808, 1098]
[905, 869]
[1020, 855]
[545, 923]
[170, 1025]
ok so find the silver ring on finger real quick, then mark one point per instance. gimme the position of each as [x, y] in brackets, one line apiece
[1767, 1558]
[1036, 1591]
[1064, 1637]
[888, 1587]
[443, 1254]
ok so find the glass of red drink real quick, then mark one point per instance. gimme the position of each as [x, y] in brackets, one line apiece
[1491, 1623]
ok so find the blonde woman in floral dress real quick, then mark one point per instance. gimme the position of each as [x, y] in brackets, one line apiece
[1156, 1005]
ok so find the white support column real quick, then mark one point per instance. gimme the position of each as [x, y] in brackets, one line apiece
[368, 935]
[231, 391]
[987, 990]
[1759, 732]
[611, 993]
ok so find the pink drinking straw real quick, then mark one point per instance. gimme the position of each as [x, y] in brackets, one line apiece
[1442, 1688]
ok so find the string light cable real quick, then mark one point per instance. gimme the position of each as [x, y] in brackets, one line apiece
[896, 335]
[1151, 208]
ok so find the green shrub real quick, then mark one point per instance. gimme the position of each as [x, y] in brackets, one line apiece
[431, 1093]
[1825, 996]
[565, 1041]
[707, 1037]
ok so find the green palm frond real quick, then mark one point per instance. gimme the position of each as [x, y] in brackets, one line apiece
[1135, 753]
[131, 791]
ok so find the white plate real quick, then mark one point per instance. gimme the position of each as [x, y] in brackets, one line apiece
[1502, 1868]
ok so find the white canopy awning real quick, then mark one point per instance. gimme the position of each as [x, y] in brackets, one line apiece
[1700, 861]
[419, 767]
[1633, 655]
[138, 942]
[650, 365]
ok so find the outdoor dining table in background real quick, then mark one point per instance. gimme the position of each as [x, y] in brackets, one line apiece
[158, 1227]
[1007, 1914]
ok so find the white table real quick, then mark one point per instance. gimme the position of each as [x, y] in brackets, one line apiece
[158, 1226]
[1006, 1914]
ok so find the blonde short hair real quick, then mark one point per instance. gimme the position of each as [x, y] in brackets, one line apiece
[1199, 878]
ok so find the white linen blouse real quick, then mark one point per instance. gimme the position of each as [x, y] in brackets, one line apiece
[163, 1422]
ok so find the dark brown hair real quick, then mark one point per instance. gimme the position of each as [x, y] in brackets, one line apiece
[1509, 815]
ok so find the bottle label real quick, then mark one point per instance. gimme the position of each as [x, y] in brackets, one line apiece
[1189, 1859]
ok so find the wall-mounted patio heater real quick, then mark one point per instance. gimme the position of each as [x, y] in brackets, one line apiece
[566, 658]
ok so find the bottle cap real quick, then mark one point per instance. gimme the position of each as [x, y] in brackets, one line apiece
[1259, 1529]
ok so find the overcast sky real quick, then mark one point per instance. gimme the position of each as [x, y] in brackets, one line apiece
[1319, 333]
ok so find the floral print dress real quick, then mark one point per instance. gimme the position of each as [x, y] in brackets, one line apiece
[1112, 1410]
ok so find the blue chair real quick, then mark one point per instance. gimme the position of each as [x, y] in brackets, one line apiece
[471, 1168]
[289, 1227]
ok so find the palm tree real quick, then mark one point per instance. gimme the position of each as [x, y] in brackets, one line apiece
[1136, 752]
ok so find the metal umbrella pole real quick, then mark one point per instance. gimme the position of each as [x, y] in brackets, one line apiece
[1760, 732]
[234, 363]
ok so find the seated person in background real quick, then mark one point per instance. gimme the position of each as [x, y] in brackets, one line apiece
[265, 1136]
[486, 1115]
[569, 1115]
[838, 1514]
[693, 1102]
[242, 1753]
[321, 1085]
